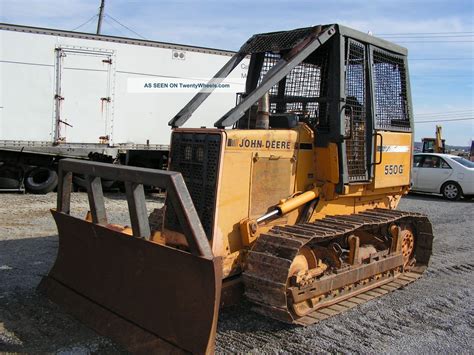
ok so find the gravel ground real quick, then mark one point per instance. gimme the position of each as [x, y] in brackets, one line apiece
[433, 315]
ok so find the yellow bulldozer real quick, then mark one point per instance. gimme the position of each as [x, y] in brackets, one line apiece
[434, 145]
[289, 201]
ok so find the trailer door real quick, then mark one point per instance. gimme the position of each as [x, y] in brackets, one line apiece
[83, 96]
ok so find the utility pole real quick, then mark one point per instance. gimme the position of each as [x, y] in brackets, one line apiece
[101, 14]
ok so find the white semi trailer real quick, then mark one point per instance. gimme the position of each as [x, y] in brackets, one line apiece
[69, 94]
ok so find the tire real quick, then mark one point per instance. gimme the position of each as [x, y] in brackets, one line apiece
[41, 180]
[9, 183]
[80, 182]
[451, 191]
[107, 184]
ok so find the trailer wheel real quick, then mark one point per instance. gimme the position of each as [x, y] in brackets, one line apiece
[41, 180]
[10, 177]
[9, 183]
[80, 183]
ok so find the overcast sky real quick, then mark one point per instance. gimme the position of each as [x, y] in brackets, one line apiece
[441, 65]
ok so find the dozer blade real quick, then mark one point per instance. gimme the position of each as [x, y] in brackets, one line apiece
[146, 296]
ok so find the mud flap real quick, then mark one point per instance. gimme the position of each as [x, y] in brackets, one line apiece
[146, 296]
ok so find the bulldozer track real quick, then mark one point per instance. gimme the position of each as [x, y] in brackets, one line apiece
[269, 260]
[454, 269]
[447, 253]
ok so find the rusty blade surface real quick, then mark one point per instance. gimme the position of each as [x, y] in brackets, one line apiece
[169, 293]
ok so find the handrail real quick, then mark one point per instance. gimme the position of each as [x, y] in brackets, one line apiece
[381, 148]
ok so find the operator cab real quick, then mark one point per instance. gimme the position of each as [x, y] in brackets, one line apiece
[350, 88]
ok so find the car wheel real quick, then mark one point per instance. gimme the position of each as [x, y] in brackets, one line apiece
[451, 191]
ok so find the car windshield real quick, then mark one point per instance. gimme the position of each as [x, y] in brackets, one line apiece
[465, 162]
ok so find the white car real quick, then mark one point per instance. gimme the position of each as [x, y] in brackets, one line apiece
[446, 174]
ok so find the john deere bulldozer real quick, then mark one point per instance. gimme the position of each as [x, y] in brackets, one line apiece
[289, 201]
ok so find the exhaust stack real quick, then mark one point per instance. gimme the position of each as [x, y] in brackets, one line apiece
[263, 112]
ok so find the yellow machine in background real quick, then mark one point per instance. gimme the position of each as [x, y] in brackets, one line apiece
[290, 198]
[434, 145]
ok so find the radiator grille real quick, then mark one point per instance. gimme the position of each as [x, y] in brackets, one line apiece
[196, 156]
[356, 100]
[390, 86]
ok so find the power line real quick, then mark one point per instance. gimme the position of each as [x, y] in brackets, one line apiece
[115, 27]
[459, 78]
[121, 24]
[467, 109]
[455, 79]
[445, 117]
[445, 112]
[85, 23]
[434, 41]
[453, 120]
[444, 75]
[470, 58]
[421, 33]
[442, 117]
[434, 37]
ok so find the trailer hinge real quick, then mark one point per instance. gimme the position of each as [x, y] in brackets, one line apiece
[58, 97]
[106, 99]
[108, 61]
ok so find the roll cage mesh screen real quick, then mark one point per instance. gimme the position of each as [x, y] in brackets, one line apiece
[356, 113]
[301, 90]
[276, 41]
[390, 89]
